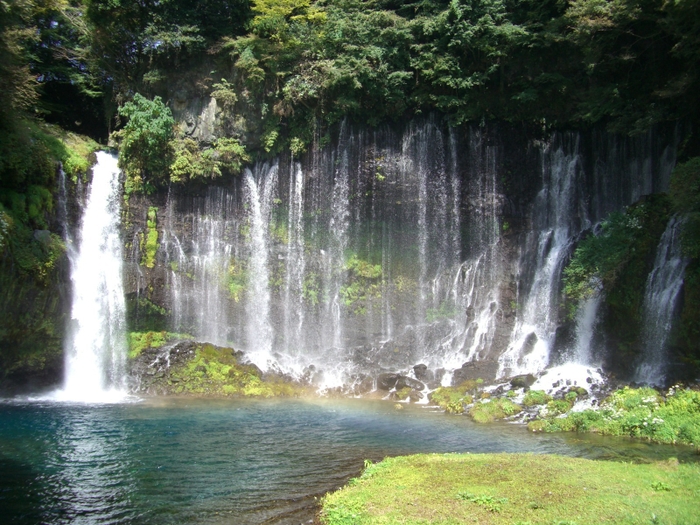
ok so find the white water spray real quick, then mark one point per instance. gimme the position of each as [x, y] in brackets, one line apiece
[586, 321]
[96, 349]
[294, 288]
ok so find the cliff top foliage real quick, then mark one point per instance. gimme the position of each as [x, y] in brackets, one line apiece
[284, 70]
[627, 63]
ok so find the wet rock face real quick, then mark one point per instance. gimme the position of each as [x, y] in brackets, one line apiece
[382, 251]
[522, 381]
[473, 370]
[388, 381]
[421, 372]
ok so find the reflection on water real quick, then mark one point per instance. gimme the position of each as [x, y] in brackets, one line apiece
[92, 465]
[244, 462]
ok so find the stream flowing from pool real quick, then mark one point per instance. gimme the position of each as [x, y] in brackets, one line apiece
[230, 461]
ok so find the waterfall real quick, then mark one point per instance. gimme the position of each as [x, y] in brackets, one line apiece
[661, 295]
[201, 255]
[473, 284]
[388, 249]
[549, 244]
[586, 320]
[259, 190]
[339, 224]
[294, 286]
[96, 348]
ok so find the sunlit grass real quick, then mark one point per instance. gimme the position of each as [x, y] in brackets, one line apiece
[516, 489]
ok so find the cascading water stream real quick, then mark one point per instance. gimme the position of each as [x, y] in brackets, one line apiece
[554, 214]
[96, 347]
[586, 322]
[663, 287]
[259, 190]
[294, 288]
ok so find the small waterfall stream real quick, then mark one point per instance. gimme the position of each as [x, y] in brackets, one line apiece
[660, 301]
[96, 347]
[259, 191]
[555, 212]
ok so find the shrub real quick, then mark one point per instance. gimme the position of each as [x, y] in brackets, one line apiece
[634, 412]
[536, 397]
[558, 406]
[450, 399]
[488, 411]
[145, 151]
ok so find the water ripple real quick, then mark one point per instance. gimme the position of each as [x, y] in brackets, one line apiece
[248, 462]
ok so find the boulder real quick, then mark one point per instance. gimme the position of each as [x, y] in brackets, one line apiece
[474, 370]
[403, 382]
[421, 372]
[387, 381]
[363, 386]
[522, 381]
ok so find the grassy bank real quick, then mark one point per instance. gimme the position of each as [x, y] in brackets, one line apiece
[516, 489]
[635, 412]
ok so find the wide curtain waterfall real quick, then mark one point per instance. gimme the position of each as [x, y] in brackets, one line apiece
[388, 249]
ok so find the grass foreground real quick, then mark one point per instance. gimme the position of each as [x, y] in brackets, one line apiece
[516, 489]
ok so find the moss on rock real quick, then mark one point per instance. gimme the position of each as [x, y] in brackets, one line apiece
[203, 369]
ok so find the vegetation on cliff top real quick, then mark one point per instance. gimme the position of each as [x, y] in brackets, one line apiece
[514, 489]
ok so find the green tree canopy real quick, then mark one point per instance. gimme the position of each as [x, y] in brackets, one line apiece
[145, 142]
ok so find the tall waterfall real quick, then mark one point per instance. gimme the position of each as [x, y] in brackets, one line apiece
[663, 287]
[388, 249]
[96, 347]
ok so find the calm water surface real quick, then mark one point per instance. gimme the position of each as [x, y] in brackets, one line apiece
[239, 462]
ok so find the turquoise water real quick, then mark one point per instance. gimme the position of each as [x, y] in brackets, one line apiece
[238, 462]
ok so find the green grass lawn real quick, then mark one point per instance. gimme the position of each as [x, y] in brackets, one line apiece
[516, 489]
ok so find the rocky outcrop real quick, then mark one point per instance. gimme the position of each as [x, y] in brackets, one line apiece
[203, 369]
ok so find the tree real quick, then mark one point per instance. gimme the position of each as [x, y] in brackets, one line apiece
[146, 151]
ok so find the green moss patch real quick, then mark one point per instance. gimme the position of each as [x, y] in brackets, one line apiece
[139, 341]
[536, 397]
[453, 399]
[515, 489]
[71, 149]
[149, 242]
[201, 369]
[488, 410]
